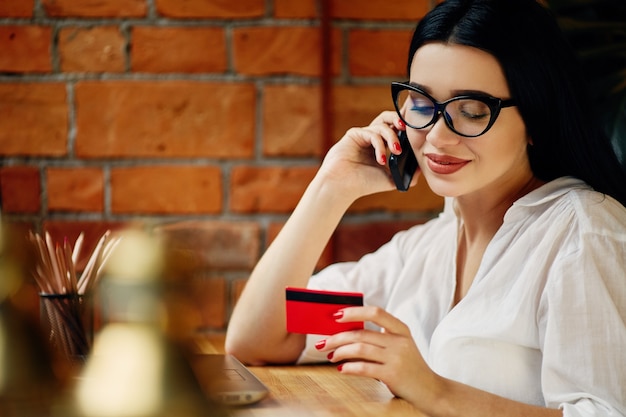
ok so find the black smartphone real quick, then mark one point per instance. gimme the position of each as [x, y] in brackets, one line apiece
[403, 166]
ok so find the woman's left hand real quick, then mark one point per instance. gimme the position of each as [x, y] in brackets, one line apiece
[390, 356]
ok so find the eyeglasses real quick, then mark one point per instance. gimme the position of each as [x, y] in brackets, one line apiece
[468, 115]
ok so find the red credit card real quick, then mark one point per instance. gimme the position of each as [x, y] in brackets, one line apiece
[311, 311]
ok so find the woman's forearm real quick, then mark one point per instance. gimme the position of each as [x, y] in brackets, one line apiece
[454, 399]
[256, 332]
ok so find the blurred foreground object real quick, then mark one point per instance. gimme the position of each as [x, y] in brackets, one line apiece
[27, 383]
[133, 369]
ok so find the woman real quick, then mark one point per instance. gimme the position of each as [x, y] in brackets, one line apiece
[513, 301]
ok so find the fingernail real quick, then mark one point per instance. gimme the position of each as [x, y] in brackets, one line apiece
[340, 367]
[330, 355]
[320, 345]
[397, 147]
[401, 123]
[338, 315]
[383, 159]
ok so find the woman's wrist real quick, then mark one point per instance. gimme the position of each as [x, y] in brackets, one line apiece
[333, 191]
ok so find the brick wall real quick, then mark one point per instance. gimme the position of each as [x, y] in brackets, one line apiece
[206, 116]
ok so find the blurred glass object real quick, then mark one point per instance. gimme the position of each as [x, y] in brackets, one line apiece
[134, 370]
[27, 381]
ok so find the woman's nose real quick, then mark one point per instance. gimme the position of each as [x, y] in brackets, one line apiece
[440, 135]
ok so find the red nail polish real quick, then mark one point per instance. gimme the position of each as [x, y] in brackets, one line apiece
[338, 315]
[320, 345]
[383, 158]
[397, 147]
[330, 355]
[401, 123]
[340, 367]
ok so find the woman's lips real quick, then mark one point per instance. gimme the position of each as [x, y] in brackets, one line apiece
[443, 164]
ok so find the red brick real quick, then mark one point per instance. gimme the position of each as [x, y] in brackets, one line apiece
[379, 52]
[223, 9]
[418, 198]
[198, 252]
[236, 289]
[166, 189]
[95, 8]
[96, 49]
[17, 8]
[286, 50]
[212, 245]
[25, 49]
[379, 9]
[164, 119]
[174, 49]
[326, 258]
[352, 241]
[93, 230]
[209, 296]
[358, 106]
[292, 121]
[184, 313]
[18, 229]
[296, 9]
[75, 189]
[268, 189]
[20, 189]
[34, 119]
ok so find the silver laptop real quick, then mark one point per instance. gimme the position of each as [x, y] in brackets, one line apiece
[227, 381]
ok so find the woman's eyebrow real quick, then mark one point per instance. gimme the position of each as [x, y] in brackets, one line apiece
[421, 87]
[471, 93]
[454, 93]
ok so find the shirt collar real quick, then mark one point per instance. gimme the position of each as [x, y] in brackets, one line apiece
[546, 193]
[550, 191]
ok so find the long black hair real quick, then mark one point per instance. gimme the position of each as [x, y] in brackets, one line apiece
[545, 79]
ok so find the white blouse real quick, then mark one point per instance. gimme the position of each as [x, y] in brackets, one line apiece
[544, 321]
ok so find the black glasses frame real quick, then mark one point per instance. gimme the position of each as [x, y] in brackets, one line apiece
[495, 105]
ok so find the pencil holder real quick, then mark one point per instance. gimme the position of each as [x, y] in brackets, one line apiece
[65, 295]
[67, 322]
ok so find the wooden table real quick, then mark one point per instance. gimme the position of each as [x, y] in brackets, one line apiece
[315, 391]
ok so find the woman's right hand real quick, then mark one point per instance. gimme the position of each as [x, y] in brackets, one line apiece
[357, 163]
